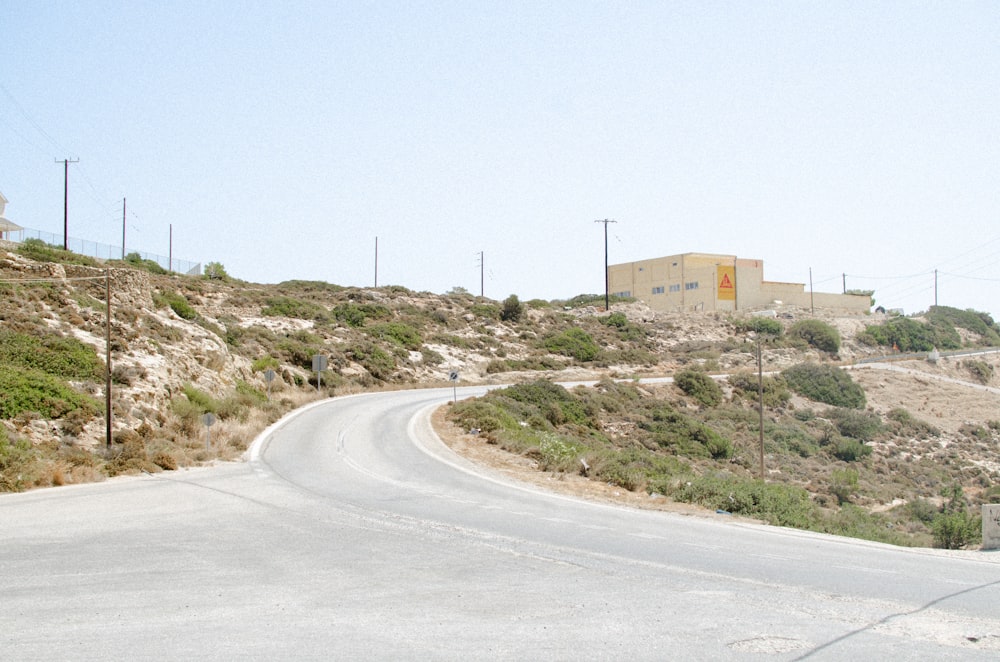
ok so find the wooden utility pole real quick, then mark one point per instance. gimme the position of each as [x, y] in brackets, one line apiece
[123, 228]
[66, 163]
[607, 276]
[107, 356]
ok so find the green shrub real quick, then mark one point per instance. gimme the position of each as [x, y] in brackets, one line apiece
[849, 450]
[30, 390]
[152, 266]
[842, 483]
[762, 325]
[485, 310]
[824, 383]
[818, 334]
[379, 363]
[59, 356]
[177, 302]
[552, 401]
[781, 505]
[671, 429]
[573, 342]
[979, 323]
[203, 401]
[282, 306]
[38, 250]
[955, 530]
[512, 309]
[597, 300]
[265, 363]
[981, 371]
[486, 416]
[860, 425]
[18, 463]
[908, 335]
[215, 271]
[398, 333]
[557, 452]
[776, 393]
[903, 423]
[699, 386]
[356, 315]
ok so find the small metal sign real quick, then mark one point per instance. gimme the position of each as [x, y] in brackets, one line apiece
[269, 377]
[453, 375]
[319, 365]
[208, 418]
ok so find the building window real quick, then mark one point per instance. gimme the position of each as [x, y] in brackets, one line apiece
[623, 294]
[675, 288]
[658, 290]
[691, 286]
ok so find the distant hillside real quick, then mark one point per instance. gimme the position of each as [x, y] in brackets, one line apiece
[184, 346]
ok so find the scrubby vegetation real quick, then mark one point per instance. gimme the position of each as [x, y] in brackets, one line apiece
[831, 458]
[617, 433]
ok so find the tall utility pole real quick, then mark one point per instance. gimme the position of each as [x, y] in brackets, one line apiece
[66, 163]
[482, 271]
[812, 306]
[123, 228]
[376, 261]
[935, 288]
[107, 358]
[760, 403]
[607, 277]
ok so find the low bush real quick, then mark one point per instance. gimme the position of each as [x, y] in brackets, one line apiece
[781, 505]
[283, 306]
[762, 325]
[29, 390]
[36, 249]
[512, 309]
[671, 429]
[908, 335]
[981, 371]
[55, 355]
[177, 302]
[573, 342]
[152, 266]
[18, 463]
[956, 530]
[358, 314]
[849, 450]
[860, 425]
[745, 385]
[824, 383]
[379, 363]
[817, 334]
[699, 386]
[398, 333]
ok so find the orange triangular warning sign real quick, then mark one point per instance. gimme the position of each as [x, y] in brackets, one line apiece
[726, 284]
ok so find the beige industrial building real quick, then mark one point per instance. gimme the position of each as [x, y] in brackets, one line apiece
[702, 281]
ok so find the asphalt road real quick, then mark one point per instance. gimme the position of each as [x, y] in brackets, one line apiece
[352, 533]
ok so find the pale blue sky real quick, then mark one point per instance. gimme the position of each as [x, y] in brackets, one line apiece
[280, 138]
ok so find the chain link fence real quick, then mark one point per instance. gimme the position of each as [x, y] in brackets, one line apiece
[104, 251]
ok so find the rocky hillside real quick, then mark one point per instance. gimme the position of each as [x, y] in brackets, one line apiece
[183, 346]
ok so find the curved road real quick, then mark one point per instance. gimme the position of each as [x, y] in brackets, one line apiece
[352, 532]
